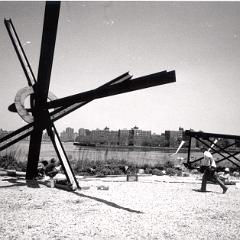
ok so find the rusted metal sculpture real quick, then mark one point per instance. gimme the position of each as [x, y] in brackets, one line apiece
[41, 100]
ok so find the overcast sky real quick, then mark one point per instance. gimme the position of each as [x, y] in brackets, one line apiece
[98, 41]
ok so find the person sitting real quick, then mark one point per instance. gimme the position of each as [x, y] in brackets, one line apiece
[225, 177]
[41, 168]
[51, 169]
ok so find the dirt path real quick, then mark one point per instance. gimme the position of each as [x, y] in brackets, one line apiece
[152, 208]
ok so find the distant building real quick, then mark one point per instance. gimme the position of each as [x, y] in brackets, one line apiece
[137, 137]
[113, 138]
[68, 135]
[194, 142]
[100, 137]
[84, 136]
[123, 137]
[133, 137]
[82, 132]
[45, 137]
[3, 133]
[104, 137]
[158, 140]
[173, 138]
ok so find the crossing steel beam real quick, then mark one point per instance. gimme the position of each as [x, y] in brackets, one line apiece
[151, 80]
[223, 152]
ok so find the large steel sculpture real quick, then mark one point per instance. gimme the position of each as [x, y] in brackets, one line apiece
[39, 117]
[221, 145]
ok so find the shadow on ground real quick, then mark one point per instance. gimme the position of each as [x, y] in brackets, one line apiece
[111, 204]
[34, 184]
[16, 183]
[198, 190]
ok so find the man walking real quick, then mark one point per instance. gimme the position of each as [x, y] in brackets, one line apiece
[210, 172]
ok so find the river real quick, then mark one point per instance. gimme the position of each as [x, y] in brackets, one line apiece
[75, 153]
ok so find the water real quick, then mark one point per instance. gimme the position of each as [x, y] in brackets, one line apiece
[76, 153]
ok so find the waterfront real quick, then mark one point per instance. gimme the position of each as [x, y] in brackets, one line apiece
[76, 153]
[139, 156]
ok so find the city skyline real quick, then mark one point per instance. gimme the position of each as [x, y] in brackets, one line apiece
[76, 130]
[98, 41]
[109, 129]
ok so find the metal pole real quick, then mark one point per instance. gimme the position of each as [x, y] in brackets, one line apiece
[189, 150]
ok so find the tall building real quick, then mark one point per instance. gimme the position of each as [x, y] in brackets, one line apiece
[158, 140]
[137, 136]
[113, 138]
[68, 135]
[82, 132]
[174, 138]
[123, 137]
[100, 137]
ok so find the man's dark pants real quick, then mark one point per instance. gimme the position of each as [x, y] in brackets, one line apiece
[211, 174]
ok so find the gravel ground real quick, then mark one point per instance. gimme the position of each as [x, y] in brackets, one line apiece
[152, 208]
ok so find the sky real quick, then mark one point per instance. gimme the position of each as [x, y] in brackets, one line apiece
[98, 41]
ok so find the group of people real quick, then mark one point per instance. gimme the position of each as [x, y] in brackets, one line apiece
[50, 169]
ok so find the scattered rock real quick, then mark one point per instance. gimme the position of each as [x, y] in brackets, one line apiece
[102, 187]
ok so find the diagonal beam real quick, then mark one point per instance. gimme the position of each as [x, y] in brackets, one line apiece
[21, 56]
[25, 131]
[20, 52]
[200, 138]
[16, 136]
[127, 86]
[223, 149]
[62, 156]
[62, 111]
[41, 87]
[230, 155]
[55, 115]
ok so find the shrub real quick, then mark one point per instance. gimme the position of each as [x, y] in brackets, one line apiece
[194, 171]
[103, 172]
[159, 166]
[168, 164]
[157, 172]
[148, 170]
[173, 172]
[118, 170]
[146, 166]
[9, 162]
[100, 168]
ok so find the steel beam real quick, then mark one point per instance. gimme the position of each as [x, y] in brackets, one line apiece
[206, 135]
[127, 86]
[42, 86]
[25, 131]
[203, 137]
[62, 156]
[20, 52]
